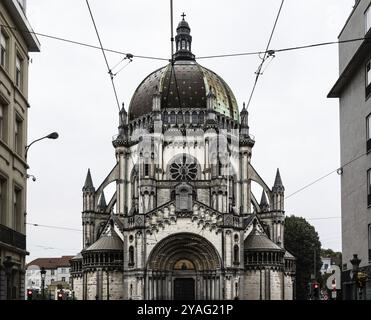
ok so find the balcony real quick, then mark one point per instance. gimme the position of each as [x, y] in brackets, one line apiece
[12, 237]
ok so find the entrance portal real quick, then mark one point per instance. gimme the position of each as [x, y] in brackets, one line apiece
[184, 289]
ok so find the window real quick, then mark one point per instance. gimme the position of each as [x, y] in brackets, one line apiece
[52, 280]
[17, 208]
[369, 187]
[131, 256]
[3, 193]
[18, 71]
[146, 170]
[4, 50]
[368, 79]
[3, 122]
[18, 135]
[369, 242]
[63, 279]
[52, 272]
[368, 19]
[368, 124]
[236, 254]
[183, 45]
[172, 118]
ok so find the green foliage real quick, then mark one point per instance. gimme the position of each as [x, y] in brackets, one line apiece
[301, 239]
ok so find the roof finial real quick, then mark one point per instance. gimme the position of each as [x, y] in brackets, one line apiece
[183, 15]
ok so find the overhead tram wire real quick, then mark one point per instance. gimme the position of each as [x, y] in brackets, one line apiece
[338, 170]
[53, 227]
[82, 43]
[266, 55]
[104, 55]
[309, 46]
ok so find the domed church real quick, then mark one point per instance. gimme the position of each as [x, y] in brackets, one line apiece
[183, 223]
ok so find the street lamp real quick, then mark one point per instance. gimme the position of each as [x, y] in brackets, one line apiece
[53, 135]
[355, 263]
[43, 274]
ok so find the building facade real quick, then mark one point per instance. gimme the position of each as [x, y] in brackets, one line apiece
[14, 60]
[183, 222]
[353, 88]
[57, 273]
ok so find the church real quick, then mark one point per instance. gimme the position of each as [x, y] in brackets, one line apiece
[183, 223]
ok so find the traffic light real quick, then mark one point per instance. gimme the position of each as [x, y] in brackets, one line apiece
[60, 295]
[316, 290]
[29, 294]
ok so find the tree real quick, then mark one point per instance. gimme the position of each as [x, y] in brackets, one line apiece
[301, 239]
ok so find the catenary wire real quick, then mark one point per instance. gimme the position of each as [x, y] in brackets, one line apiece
[53, 227]
[258, 73]
[308, 46]
[104, 55]
[81, 43]
[338, 170]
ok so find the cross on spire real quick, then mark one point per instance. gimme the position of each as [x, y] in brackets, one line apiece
[183, 15]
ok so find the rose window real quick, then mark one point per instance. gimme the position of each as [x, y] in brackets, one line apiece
[183, 170]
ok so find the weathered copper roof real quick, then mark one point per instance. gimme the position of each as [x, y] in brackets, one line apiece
[256, 240]
[183, 85]
[107, 242]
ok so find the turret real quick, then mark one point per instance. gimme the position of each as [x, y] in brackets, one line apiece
[278, 191]
[183, 41]
[88, 194]
[88, 191]
[102, 204]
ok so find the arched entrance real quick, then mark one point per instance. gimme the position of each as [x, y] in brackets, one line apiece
[183, 266]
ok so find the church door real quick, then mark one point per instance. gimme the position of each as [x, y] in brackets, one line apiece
[184, 289]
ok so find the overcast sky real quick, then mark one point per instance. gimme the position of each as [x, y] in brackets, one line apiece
[296, 127]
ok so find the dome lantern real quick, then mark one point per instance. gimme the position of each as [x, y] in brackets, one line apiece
[183, 41]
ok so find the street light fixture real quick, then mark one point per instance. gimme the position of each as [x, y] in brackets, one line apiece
[43, 274]
[53, 135]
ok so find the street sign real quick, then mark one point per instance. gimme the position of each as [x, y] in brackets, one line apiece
[334, 280]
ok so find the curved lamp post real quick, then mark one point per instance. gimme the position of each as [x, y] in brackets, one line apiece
[43, 274]
[53, 135]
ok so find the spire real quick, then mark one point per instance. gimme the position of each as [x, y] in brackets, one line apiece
[264, 203]
[244, 115]
[88, 186]
[183, 41]
[278, 186]
[102, 205]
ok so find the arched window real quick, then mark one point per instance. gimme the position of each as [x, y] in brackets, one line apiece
[194, 118]
[173, 118]
[201, 118]
[179, 118]
[131, 256]
[236, 254]
[165, 117]
[146, 170]
[187, 118]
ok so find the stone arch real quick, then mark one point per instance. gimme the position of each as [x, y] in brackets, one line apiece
[186, 245]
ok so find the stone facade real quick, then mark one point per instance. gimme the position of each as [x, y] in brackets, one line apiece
[183, 222]
[353, 88]
[14, 108]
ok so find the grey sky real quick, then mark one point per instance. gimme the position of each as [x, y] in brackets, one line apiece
[295, 126]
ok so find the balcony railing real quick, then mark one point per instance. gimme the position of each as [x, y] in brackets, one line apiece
[12, 237]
